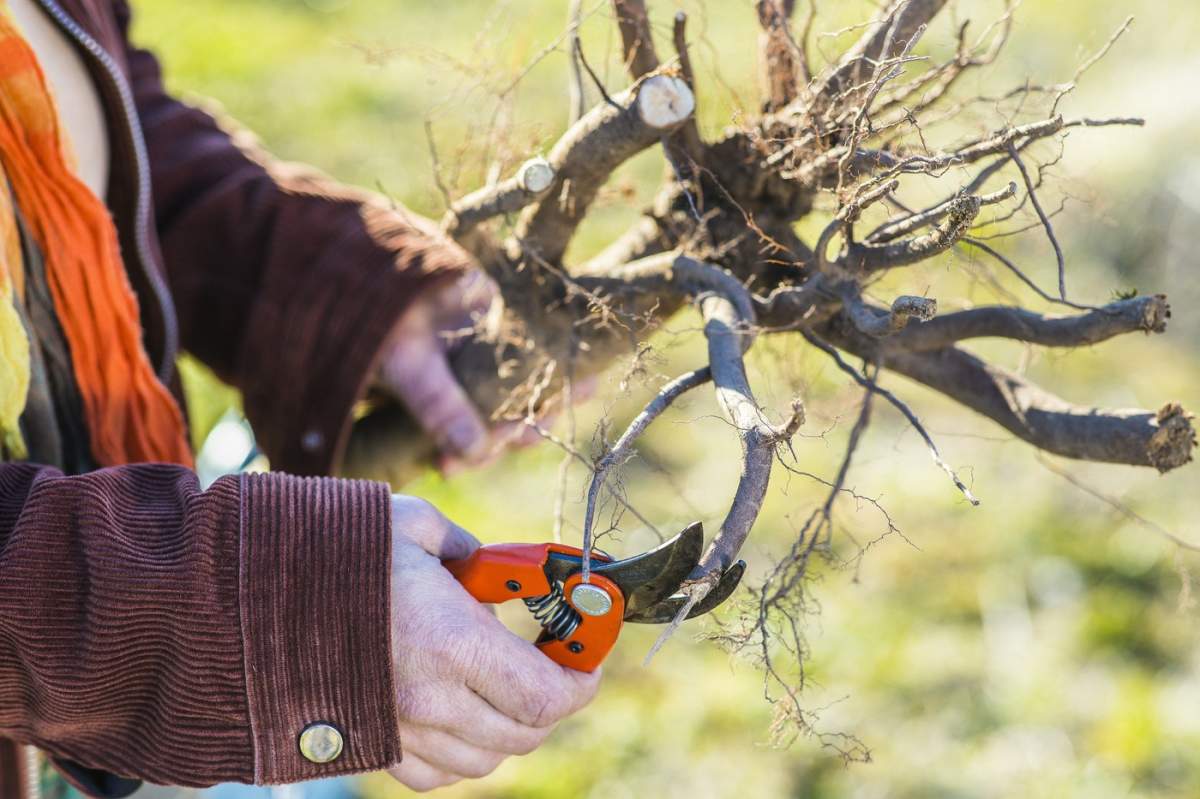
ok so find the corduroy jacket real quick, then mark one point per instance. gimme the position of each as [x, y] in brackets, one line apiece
[150, 630]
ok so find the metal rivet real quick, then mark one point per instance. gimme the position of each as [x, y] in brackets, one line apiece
[320, 743]
[575, 647]
[312, 440]
[513, 585]
[591, 599]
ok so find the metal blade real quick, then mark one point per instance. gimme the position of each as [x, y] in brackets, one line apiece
[665, 611]
[649, 578]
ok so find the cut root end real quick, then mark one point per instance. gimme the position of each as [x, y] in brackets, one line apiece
[665, 102]
[1172, 445]
[535, 175]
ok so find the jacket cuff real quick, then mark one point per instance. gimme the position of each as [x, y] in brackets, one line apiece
[315, 592]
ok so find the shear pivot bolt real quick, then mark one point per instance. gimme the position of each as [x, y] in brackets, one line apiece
[591, 599]
[513, 585]
[575, 647]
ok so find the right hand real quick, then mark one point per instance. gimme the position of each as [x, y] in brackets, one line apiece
[469, 692]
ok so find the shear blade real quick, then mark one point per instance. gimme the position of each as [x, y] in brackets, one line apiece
[651, 577]
[664, 612]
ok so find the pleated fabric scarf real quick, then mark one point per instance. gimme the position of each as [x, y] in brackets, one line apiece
[131, 417]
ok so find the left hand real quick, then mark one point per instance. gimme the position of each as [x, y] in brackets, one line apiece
[415, 369]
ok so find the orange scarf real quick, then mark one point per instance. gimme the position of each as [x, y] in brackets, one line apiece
[131, 417]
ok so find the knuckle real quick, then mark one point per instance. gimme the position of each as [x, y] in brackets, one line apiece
[459, 650]
[586, 691]
[417, 704]
[493, 762]
[420, 780]
[439, 779]
[482, 766]
[553, 704]
[418, 519]
[529, 743]
[435, 400]
[421, 511]
[442, 779]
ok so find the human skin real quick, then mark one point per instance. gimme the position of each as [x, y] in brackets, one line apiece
[414, 368]
[469, 692]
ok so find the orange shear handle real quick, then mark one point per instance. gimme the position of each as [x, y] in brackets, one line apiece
[499, 572]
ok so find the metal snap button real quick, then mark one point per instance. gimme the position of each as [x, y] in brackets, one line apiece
[320, 743]
[312, 441]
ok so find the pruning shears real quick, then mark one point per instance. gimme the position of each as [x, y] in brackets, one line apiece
[581, 620]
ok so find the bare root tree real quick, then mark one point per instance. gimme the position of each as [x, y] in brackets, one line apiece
[837, 141]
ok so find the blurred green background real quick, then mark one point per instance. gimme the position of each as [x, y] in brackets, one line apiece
[1043, 644]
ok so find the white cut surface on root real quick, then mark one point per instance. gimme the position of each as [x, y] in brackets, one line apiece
[536, 175]
[664, 101]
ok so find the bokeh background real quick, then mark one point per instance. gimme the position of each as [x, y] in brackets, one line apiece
[1044, 644]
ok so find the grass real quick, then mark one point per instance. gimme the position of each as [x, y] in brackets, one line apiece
[1040, 645]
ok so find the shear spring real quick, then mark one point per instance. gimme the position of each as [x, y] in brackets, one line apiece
[554, 613]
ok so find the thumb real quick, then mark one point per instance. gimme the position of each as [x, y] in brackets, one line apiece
[416, 372]
[426, 526]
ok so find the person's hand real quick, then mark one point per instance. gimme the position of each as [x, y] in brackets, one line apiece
[415, 369]
[469, 692]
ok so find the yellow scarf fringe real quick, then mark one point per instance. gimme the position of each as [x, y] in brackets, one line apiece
[14, 341]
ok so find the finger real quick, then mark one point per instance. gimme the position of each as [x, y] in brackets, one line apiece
[416, 371]
[517, 435]
[418, 775]
[450, 465]
[450, 754]
[457, 303]
[464, 714]
[586, 684]
[426, 526]
[531, 435]
[506, 435]
[522, 683]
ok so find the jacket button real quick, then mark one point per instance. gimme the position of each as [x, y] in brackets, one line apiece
[320, 743]
[312, 441]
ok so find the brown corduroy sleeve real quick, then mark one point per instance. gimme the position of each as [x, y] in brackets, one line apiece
[286, 282]
[156, 631]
